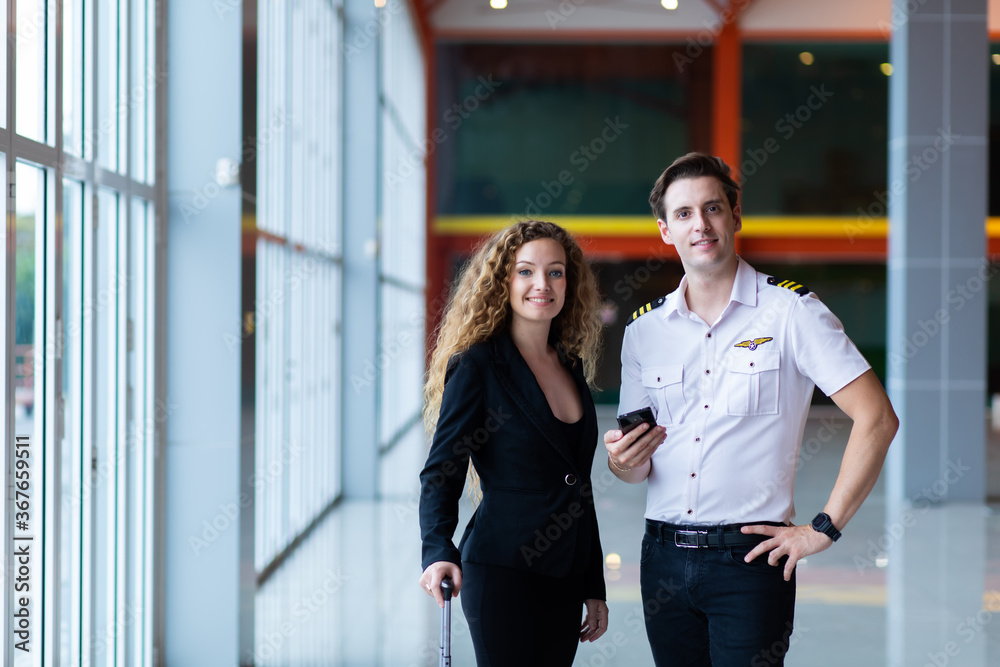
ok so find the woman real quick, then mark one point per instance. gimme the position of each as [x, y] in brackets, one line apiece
[508, 388]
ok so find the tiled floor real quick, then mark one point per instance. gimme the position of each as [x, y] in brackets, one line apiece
[907, 587]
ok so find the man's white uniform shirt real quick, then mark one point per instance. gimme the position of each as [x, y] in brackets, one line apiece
[734, 396]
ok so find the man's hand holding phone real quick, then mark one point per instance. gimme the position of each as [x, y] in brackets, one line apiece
[631, 446]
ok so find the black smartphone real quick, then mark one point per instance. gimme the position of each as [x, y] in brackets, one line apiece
[630, 420]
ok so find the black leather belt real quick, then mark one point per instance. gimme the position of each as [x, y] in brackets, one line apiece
[704, 537]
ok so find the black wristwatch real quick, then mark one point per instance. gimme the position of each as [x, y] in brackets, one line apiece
[823, 524]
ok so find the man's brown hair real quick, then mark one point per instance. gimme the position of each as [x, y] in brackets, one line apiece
[693, 165]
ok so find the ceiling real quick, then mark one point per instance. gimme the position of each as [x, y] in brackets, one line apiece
[556, 20]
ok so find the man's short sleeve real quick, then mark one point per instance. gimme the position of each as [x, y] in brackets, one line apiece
[823, 351]
[633, 395]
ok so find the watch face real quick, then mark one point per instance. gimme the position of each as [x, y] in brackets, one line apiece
[823, 524]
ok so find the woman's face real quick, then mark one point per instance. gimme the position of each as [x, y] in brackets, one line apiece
[538, 281]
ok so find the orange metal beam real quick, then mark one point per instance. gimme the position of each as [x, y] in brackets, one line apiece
[815, 249]
[421, 11]
[771, 249]
[727, 102]
[727, 88]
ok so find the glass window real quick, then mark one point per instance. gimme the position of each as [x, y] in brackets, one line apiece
[30, 211]
[72, 267]
[293, 314]
[123, 104]
[140, 94]
[139, 432]
[30, 73]
[151, 80]
[3, 78]
[74, 57]
[51, 121]
[106, 31]
[72, 455]
[815, 125]
[103, 297]
[295, 369]
[399, 363]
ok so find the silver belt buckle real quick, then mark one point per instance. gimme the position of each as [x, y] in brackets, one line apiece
[686, 544]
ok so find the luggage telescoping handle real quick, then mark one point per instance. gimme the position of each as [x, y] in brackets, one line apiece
[447, 589]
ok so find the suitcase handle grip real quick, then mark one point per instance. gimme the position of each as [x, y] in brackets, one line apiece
[447, 588]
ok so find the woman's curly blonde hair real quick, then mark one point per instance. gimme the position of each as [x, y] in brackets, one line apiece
[479, 306]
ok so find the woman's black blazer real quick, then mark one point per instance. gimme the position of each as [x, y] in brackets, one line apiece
[537, 510]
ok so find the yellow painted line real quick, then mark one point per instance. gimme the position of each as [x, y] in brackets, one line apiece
[584, 225]
[859, 596]
[645, 226]
[850, 227]
[810, 227]
[842, 595]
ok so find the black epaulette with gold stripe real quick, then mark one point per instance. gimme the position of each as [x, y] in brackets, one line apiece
[799, 289]
[645, 309]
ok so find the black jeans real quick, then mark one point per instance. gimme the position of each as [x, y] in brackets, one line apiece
[707, 607]
[521, 619]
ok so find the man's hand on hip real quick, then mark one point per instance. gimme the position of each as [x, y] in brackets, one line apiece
[796, 542]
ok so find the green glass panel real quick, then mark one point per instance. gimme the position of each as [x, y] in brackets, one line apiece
[556, 130]
[814, 135]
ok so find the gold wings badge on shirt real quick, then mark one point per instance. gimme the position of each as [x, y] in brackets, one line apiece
[752, 344]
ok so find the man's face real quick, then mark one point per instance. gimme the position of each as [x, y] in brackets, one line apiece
[700, 223]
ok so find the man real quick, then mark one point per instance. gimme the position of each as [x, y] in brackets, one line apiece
[728, 362]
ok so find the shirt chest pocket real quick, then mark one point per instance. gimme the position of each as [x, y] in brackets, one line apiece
[752, 383]
[665, 386]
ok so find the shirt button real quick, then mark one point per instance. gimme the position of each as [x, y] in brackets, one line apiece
[708, 335]
[697, 439]
[571, 479]
[690, 511]
[658, 377]
[706, 407]
[707, 372]
[693, 475]
[751, 364]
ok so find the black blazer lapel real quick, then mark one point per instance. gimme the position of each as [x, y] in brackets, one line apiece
[585, 452]
[519, 382]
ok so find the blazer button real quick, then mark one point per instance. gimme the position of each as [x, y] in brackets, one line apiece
[571, 479]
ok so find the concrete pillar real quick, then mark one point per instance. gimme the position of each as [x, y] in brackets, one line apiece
[937, 270]
[936, 368]
[202, 555]
[360, 287]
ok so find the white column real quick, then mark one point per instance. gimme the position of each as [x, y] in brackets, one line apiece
[361, 178]
[203, 561]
